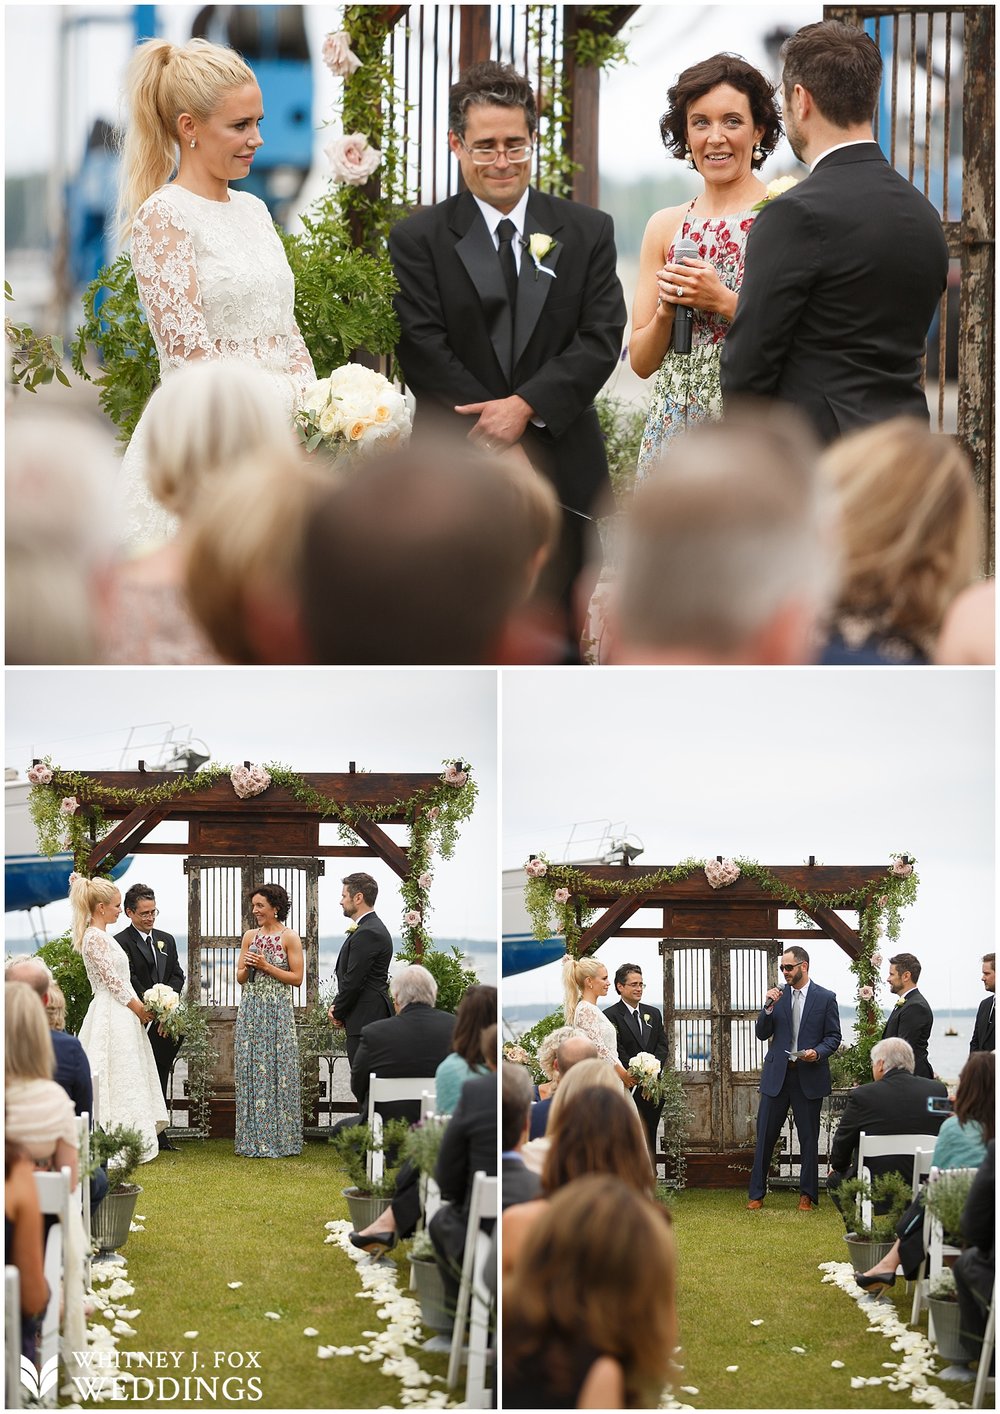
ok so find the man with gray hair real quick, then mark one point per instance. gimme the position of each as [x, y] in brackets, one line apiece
[573, 1047]
[894, 1103]
[412, 1043]
[728, 549]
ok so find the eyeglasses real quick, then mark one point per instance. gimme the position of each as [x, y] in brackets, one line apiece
[147, 913]
[789, 966]
[487, 156]
[634, 982]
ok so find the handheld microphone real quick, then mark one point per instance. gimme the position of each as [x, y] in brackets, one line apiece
[682, 314]
[769, 1005]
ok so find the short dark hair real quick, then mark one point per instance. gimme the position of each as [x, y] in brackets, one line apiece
[906, 962]
[700, 79]
[277, 897]
[364, 885]
[624, 971]
[476, 1010]
[799, 954]
[839, 65]
[990, 957]
[493, 83]
[136, 893]
[515, 1102]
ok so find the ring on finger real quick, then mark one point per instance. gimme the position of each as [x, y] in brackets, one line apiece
[680, 291]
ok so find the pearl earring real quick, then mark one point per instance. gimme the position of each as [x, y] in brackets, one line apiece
[690, 159]
[758, 152]
[191, 143]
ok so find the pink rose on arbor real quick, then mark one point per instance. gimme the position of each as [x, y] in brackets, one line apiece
[338, 55]
[425, 880]
[352, 160]
[901, 868]
[561, 895]
[69, 805]
[883, 901]
[249, 780]
[866, 993]
[876, 959]
[39, 775]
[455, 774]
[536, 868]
[412, 918]
[433, 811]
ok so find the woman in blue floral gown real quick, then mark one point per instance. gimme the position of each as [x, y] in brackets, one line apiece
[266, 1053]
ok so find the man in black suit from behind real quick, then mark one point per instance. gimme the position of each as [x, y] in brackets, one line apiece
[517, 1184]
[911, 1018]
[412, 1043]
[362, 965]
[984, 1031]
[510, 308]
[844, 271]
[152, 958]
[639, 1028]
[469, 1145]
[894, 1103]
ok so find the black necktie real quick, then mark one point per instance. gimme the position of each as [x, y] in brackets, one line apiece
[638, 1024]
[506, 232]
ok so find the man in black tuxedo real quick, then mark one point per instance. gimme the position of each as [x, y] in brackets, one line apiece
[510, 307]
[518, 1184]
[984, 1031]
[894, 1103]
[412, 1043]
[844, 271]
[639, 1028]
[911, 1018]
[362, 965]
[152, 958]
[469, 1145]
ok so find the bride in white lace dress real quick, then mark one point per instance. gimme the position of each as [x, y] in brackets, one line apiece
[584, 980]
[113, 1034]
[211, 270]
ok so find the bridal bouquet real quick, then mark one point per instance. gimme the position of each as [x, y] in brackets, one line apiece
[646, 1069]
[166, 1007]
[355, 410]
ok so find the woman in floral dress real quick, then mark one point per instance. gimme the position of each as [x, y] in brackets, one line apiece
[722, 119]
[265, 1050]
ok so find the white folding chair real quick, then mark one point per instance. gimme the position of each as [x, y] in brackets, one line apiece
[880, 1146]
[96, 1110]
[428, 1099]
[84, 1186]
[472, 1291]
[921, 1169]
[934, 1244]
[12, 1337]
[381, 1092]
[54, 1201]
[983, 1376]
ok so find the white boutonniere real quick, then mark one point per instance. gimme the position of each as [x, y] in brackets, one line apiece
[159, 944]
[645, 1017]
[900, 1001]
[539, 246]
[776, 188]
[351, 928]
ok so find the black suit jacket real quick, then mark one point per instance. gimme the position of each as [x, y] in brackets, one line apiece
[984, 1031]
[459, 345]
[517, 1183]
[912, 1022]
[896, 1104]
[843, 275]
[469, 1145]
[363, 976]
[142, 974]
[73, 1072]
[412, 1043]
[653, 1039]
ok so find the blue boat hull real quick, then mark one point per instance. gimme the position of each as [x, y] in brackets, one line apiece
[523, 953]
[32, 882]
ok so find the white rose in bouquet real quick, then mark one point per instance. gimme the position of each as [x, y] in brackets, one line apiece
[355, 408]
[161, 997]
[646, 1070]
[167, 1009]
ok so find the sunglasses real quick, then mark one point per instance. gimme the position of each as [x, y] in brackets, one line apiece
[789, 966]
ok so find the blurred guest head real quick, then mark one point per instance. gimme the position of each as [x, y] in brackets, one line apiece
[419, 556]
[909, 526]
[598, 1130]
[562, 1297]
[728, 554]
[582, 1077]
[244, 542]
[28, 1053]
[975, 1098]
[60, 534]
[55, 1007]
[515, 1104]
[476, 1011]
[969, 628]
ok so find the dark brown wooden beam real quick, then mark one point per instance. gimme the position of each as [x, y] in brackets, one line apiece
[388, 850]
[607, 925]
[817, 879]
[842, 933]
[125, 835]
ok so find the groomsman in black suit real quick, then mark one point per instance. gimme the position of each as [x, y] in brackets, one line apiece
[639, 1028]
[510, 307]
[362, 964]
[152, 958]
[984, 1031]
[911, 1018]
[845, 270]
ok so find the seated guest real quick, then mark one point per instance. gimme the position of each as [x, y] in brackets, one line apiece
[589, 1331]
[573, 1047]
[582, 1076]
[975, 1269]
[909, 536]
[476, 1011]
[545, 1055]
[894, 1103]
[24, 1244]
[961, 1143]
[598, 1132]
[55, 1006]
[517, 1184]
[412, 1043]
[969, 629]
[469, 1146]
[727, 553]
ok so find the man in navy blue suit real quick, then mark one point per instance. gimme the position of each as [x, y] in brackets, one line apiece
[802, 1022]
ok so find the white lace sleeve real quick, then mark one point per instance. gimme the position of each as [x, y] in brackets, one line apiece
[589, 1020]
[98, 959]
[165, 272]
[300, 361]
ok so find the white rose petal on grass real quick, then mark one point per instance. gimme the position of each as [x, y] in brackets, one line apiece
[271, 1316]
[798, 1350]
[758, 1322]
[731, 1369]
[690, 1389]
[836, 1364]
[233, 1285]
[310, 1330]
[325, 1352]
[190, 1335]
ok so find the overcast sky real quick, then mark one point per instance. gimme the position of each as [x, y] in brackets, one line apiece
[315, 719]
[774, 765]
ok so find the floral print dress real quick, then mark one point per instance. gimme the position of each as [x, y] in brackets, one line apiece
[266, 1062]
[687, 388]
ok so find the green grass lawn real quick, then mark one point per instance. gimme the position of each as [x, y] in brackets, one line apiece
[737, 1266]
[212, 1218]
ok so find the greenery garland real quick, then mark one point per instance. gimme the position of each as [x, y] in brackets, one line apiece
[558, 901]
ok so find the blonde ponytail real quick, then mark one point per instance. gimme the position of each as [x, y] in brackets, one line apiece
[84, 896]
[575, 971]
[163, 81]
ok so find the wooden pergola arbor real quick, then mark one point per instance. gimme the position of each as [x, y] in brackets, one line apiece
[720, 949]
[232, 847]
